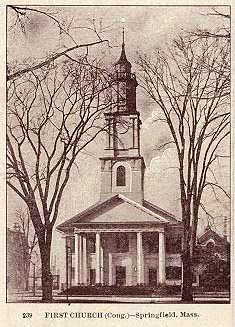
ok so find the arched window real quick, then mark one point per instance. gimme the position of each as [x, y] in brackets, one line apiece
[121, 176]
[210, 245]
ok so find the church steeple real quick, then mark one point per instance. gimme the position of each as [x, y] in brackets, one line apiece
[122, 167]
[123, 52]
[123, 66]
[124, 92]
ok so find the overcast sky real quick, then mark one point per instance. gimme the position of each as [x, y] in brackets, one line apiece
[145, 28]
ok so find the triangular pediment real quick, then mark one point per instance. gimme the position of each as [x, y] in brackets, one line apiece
[116, 210]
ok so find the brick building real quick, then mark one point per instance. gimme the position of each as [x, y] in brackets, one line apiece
[17, 259]
[212, 261]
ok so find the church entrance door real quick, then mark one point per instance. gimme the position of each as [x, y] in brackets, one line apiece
[92, 276]
[120, 275]
[152, 277]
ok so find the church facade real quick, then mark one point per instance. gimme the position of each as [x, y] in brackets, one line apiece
[123, 239]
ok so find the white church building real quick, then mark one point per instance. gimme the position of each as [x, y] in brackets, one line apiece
[123, 239]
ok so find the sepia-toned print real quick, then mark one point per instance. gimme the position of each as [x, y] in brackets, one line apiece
[118, 154]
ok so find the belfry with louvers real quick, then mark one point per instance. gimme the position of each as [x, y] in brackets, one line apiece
[123, 239]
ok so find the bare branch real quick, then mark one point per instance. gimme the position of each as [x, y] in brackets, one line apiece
[51, 59]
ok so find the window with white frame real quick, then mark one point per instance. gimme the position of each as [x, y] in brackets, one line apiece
[121, 176]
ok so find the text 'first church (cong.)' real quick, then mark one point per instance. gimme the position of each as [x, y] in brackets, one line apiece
[123, 239]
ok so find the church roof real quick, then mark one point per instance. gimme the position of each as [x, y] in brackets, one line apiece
[158, 210]
[210, 234]
[119, 209]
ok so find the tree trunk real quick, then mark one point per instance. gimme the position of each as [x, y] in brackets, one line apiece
[187, 287]
[47, 279]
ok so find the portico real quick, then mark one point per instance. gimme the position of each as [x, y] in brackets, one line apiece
[100, 252]
[81, 256]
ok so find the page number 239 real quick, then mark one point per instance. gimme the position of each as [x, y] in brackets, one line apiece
[27, 315]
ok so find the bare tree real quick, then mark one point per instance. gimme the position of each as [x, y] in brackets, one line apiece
[19, 18]
[54, 112]
[29, 241]
[190, 84]
[221, 31]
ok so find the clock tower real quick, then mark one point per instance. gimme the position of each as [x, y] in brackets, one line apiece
[122, 166]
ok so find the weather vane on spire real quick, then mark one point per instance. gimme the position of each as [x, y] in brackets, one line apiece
[123, 31]
[123, 35]
[123, 54]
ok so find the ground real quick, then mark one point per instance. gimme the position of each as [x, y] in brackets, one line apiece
[209, 297]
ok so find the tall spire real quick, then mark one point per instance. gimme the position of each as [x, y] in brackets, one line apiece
[123, 37]
[123, 53]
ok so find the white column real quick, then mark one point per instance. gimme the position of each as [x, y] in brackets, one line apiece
[69, 253]
[140, 268]
[136, 133]
[108, 144]
[110, 269]
[84, 259]
[162, 258]
[76, 261]
[80, 280]
[102, 265]
[97, 252]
